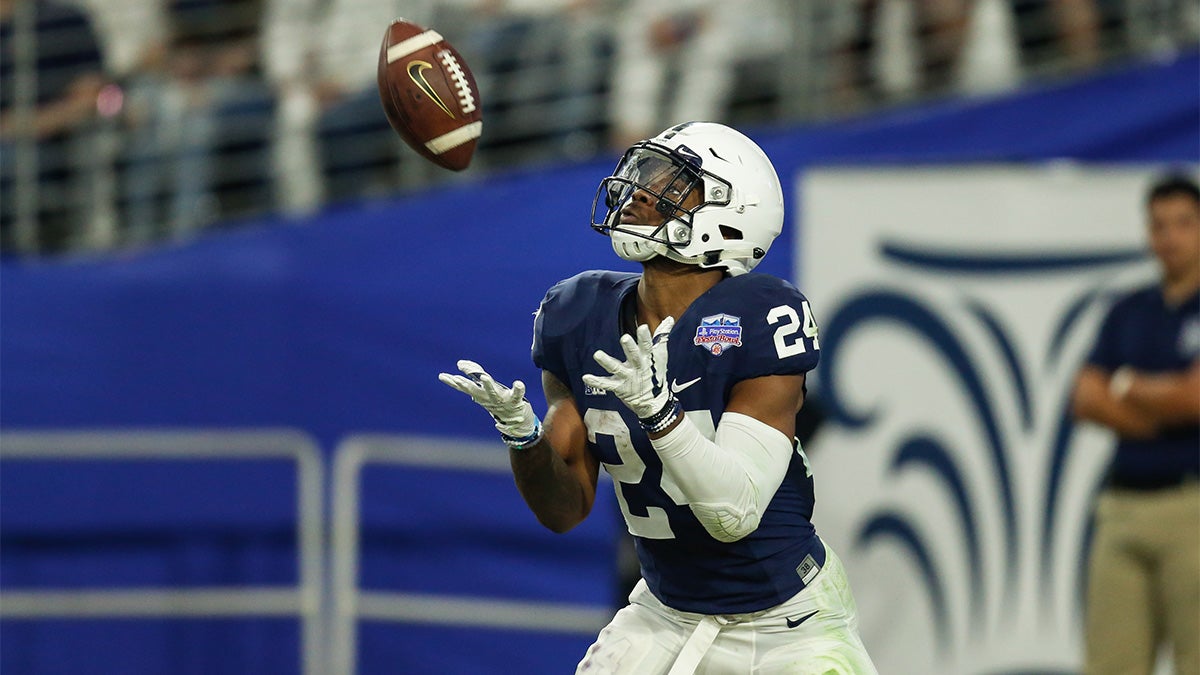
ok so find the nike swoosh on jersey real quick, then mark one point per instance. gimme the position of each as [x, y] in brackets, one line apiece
[792, 623]
[416, 71]
[676, 387]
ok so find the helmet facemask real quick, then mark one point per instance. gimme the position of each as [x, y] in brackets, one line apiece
[667, 177]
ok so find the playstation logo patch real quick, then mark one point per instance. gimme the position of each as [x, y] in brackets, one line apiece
[718, 333]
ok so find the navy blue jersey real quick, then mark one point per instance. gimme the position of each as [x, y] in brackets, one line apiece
[1142, 331]
[746, 326]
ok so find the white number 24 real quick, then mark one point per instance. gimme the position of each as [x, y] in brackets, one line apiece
[789, 324]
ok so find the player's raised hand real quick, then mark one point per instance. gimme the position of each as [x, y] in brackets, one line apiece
[640, 381]
[514, 416]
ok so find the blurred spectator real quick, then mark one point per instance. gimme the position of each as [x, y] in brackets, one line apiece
[51, 73]
[1159, 25]
[540, 67]
[896, 49]
[1142, 381]
[1070, 30]
[199, 121]
[332, 141]
[132, 33]
[586, 29]
[132, 37]
[675, 60]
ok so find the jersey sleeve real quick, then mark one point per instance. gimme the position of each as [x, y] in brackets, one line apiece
[567, 305]
[547, 350]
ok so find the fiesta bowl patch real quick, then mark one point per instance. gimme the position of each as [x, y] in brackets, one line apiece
[719, 332]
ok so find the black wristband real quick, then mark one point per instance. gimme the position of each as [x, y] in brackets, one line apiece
[664, 418]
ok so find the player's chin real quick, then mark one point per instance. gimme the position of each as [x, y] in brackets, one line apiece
[664, 264]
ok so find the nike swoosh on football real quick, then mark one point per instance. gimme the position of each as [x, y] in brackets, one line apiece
[792, 623]
[676, 387]
[416, 71]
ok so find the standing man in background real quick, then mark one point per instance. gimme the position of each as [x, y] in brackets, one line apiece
[1142, 380]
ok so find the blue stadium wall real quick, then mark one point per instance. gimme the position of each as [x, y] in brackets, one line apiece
[338, 324]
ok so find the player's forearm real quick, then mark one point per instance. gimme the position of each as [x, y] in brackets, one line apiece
[1094, 402]
[727, 482]
[71, 109]
[549, 488]
[1168, 398]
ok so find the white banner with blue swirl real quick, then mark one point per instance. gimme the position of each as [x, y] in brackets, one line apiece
[955, 306]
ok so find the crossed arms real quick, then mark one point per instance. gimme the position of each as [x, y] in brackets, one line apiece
[1136, 404]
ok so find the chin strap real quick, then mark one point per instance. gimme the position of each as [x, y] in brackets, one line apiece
[734, 259]
[639, 246]
[636, 243]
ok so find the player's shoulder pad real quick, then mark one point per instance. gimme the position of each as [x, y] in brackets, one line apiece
[572, 300]
[771, 319]
[754, 293]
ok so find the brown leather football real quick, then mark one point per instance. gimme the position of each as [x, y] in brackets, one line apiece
[429, 94]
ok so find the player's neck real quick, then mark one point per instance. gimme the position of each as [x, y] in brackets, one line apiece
[667, 289]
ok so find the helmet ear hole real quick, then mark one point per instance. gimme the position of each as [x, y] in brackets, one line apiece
[730, 233]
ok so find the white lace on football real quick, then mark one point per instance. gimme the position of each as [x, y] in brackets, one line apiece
[465, 98]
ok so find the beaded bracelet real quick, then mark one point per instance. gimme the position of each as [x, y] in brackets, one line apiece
[663, 419]
[524, 442]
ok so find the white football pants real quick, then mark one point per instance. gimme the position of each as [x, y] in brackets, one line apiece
[647, 637]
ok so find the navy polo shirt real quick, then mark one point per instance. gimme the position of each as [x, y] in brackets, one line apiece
[1145, 333]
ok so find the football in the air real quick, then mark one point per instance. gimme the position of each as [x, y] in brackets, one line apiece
[429, 94]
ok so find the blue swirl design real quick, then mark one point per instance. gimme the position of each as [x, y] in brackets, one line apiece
[1085, 548]
[1058, 459]
[892, 525]
[996, 331]
[875, 306]
[974, 262]
[1066, 323]
[1062, 439]
[926, 452]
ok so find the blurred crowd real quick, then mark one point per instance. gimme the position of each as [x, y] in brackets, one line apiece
[124, 123]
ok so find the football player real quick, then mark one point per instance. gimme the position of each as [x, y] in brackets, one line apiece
[684, 382]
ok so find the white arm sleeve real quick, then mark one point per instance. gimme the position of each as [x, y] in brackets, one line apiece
[729, 481]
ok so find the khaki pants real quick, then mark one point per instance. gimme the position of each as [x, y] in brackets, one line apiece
[1144, 581]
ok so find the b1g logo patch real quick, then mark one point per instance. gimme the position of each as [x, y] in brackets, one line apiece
[719, 332]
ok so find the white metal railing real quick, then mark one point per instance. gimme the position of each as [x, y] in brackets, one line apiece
[350, 604]
[303, 601]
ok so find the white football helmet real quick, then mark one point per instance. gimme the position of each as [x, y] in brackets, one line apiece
[739, 213]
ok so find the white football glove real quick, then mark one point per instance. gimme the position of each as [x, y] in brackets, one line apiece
[513, 414]
[640, 381]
